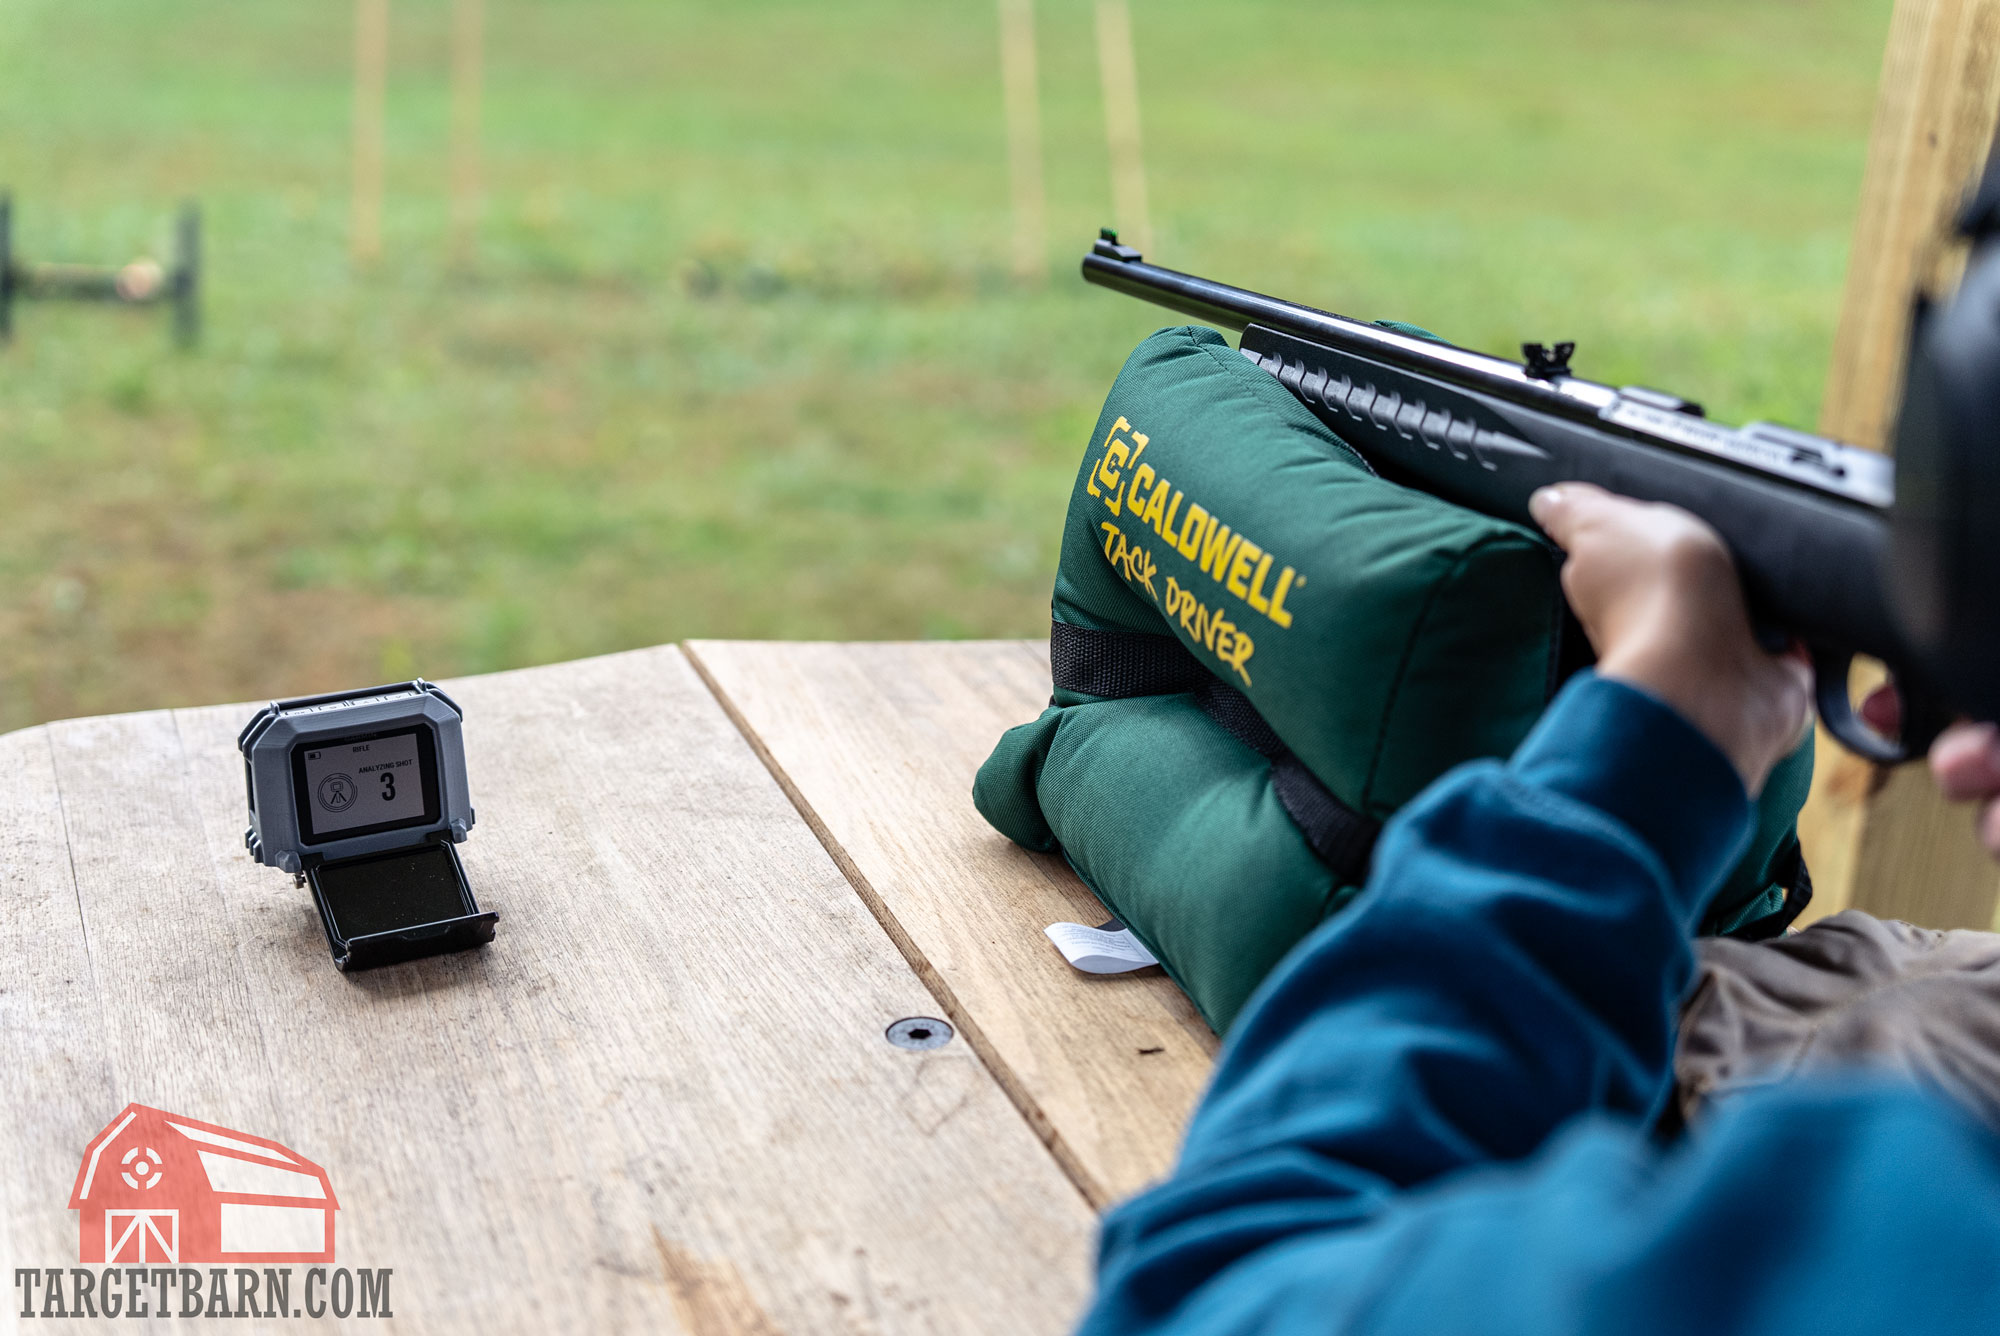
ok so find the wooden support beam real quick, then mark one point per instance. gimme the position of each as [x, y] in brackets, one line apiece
[1876, 839]
[371, 62]
[1024, 138]
[1118, 70]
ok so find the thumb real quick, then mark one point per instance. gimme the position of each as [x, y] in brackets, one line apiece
[1564, 508]
[1966, 761]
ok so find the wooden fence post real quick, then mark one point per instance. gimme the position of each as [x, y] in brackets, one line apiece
[371, 59]
[1118, 70]
[1879, 839]
[468, 42]
[1024, 138]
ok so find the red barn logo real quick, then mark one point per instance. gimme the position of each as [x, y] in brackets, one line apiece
[157, 1187]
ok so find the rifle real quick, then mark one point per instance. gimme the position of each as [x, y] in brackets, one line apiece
[1837, 546]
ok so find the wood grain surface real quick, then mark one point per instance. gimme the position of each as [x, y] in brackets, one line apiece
[52, 1027]
[1935, 109]
[878, 744]
[661, 1100]
[1876, 839]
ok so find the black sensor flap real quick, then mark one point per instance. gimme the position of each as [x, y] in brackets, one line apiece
[380, 909]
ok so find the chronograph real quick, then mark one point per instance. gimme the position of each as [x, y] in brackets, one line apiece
[362, 796]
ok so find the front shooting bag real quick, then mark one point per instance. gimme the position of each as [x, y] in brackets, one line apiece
[1261, 650]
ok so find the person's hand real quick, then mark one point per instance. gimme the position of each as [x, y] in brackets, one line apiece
[1658, 596]
[1965, 761]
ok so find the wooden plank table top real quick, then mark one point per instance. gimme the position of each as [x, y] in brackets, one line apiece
[663, 1098]
[878, 744]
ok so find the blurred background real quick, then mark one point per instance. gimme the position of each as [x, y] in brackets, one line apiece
[738, 346]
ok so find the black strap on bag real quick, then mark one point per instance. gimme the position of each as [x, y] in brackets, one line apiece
[1117, 664]
[1121, 664]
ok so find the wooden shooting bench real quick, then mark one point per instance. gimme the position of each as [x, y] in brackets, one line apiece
[664, 1096]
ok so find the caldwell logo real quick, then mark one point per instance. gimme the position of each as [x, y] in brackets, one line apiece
[157, 1187]
[169, 1210]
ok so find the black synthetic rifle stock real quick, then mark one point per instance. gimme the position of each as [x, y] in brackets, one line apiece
[1833, 546]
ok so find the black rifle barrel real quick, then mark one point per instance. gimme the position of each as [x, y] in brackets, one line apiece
[1235, 309]
[1807, 519]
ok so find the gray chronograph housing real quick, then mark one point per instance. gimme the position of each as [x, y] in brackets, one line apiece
[271, 739]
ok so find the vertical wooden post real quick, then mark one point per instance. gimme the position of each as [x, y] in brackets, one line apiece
[1024, 137]
[468, 41]
[1118, 71]
[6, 266]
[371, 60]
[1880, 839]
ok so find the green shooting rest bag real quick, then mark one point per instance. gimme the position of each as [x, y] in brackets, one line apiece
[1260, 651]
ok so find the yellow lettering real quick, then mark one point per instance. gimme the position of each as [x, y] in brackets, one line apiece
[1239, 570]
[1140, 477]
[1165, 527]
[1135, 563]
[1215, 549]
[1156, 509]
[1192, 528]
[1257, 599]
[1143, 570]
[1121, 454]
[1130, 496]
[1115, 453]
[1285, 581]
[1237, 651]
[1111, 471]
[1181, 603]
[1090, 478]
[1224, 554]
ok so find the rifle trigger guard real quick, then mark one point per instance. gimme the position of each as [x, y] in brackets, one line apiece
[1836, 711]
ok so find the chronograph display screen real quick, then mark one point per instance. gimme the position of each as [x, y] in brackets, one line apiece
[360, 785]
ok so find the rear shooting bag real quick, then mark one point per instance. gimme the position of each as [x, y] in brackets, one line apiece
[1261, 650]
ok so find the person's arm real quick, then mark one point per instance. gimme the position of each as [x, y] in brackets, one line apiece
[1515, 960]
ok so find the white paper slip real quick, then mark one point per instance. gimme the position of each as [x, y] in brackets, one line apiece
[1111, 949]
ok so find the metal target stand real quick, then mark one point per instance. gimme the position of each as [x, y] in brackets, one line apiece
[141, 283]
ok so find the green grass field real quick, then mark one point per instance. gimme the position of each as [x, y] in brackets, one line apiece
[740, 356]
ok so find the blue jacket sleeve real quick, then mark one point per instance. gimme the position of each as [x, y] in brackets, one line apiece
[1515, 961]
[1432, 1118]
